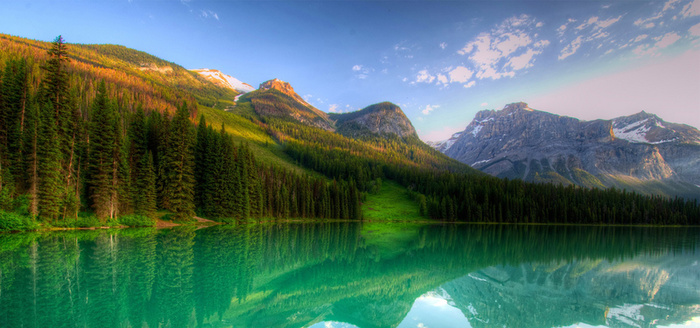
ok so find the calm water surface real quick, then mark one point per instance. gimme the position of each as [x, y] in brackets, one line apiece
[352, 275]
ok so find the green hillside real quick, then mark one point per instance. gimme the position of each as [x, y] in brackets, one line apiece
[106, 135]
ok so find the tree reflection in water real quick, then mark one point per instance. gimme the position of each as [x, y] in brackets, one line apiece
[344, 274]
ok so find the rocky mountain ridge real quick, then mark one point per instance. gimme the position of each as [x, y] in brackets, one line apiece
[633, 152]
[277, 98]
[377, 119]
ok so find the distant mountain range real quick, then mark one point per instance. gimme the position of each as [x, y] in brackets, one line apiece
[640, 152]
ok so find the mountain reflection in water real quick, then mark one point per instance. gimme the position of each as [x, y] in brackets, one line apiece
[351, 275]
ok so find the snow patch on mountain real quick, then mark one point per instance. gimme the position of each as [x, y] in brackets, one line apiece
[476, 130]
[224, 80]
[480, 162]
[635, 132]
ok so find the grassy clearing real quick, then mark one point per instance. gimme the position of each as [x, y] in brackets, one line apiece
[392, 220]
[391, 203]
[241, 129]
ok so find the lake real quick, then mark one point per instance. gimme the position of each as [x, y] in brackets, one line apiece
[352, 275]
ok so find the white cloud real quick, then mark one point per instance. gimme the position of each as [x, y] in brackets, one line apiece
[597, 23]
[333, 108]
[562, 28]
[491, 52]
[695, 30]
[691, 9]
[640, 37]
[571, 48]
[661, 42]
[670, 4]
[648, 22]
[484, 104]
[362, 72]
[523, 61]
[588, 23]
[460, 74]
[443, 45]
[667, 40]
[608, 22]
[208, 14]
[539, 24]
[442, 79]
[424, 77]
[429, 108]
[470, 84]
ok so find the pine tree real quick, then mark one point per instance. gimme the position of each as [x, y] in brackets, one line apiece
[31, 160]
[13, 100]
[180, 166]
[145, 197]
[50, 189]
[102, 150]
[244, 190]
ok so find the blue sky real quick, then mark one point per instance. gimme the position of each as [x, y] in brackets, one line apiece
[441, 61]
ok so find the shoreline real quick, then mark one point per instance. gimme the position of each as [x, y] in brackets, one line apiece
[204, 223]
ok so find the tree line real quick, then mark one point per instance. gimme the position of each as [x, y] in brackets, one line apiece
[443, 191]
[60, 160]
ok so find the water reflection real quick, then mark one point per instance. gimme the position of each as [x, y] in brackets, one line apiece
[350, 275]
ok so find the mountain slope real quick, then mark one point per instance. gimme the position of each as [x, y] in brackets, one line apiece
[277, 99]
[640, 152]
[374, 120]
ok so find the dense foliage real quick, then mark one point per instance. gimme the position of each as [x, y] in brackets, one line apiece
[60, 158]
[445, 190]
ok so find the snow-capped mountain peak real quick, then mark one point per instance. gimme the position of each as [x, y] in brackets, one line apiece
[224, 80]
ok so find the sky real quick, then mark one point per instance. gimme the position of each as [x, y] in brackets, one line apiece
[441, 61]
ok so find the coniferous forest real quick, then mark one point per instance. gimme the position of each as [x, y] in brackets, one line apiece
[82, 143]
[119, 160]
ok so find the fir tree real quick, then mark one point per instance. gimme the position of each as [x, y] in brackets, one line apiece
[48, 154]
[180, 169]
[145, 197]
[102, 151]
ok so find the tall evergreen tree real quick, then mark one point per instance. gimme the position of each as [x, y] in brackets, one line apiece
[50, 187]
[13, 101]
[180, 166]
[145, 197]
[102, 150]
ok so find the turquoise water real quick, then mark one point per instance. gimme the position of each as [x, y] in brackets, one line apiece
[352, 275]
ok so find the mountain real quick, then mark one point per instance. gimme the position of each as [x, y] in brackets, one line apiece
[224, 80]
[276, 98]
[284, 150]
[377, 119]
[639, 152]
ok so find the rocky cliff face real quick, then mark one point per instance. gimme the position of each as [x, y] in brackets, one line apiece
[276, 98]
[632, 151]
[282, 87]
[377, 119]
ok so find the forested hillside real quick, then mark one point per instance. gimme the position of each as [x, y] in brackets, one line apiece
[104, 135]
[86, 144]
